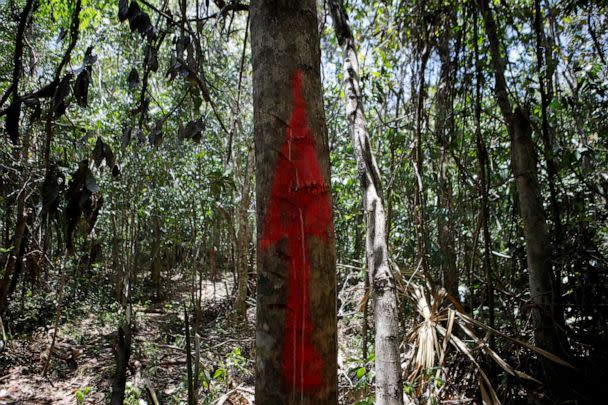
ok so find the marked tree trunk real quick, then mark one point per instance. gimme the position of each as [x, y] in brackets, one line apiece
[296, 341]
[389, 387]
[523, 165]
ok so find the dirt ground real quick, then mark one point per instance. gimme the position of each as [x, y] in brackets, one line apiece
[82, 368]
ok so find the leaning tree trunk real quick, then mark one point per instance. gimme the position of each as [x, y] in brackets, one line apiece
[523, 165]
[389, 388]
[296, 339]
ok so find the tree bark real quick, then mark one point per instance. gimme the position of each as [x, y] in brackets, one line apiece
[155, 268]
[389, 387]
[419, 195]
[296, 342]
[444, 133]
[523, 166]
[122, 346]
[122, 354]
[482, 159]
[242, 242]
[14, 254]
[12, 129]
[545, 66]
[546, 96]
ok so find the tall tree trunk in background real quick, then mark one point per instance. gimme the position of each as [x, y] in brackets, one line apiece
[443, 130]
[12, 130]
[484, 171]
[296, 339]
[545, 67]
[389, 387]
[122, 345]
[419, 196]
[156, 262]
[544, 70]
[13, 255]
[523, 165]
[242, 241]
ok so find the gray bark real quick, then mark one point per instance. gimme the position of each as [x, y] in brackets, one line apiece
[389, 386]
[523, 166]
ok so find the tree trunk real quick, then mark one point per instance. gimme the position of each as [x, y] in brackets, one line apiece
[12, 130]
[14, 254]
[545, 66]
[122, 348]
[156, 264]
[296, 340]
[444, 133]
[122, 354]
[419, 195]
[242, 242]
[482, 159]
[389, 387]
[523, 165]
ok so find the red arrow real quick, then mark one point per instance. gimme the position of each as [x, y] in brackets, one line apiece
[299, 208]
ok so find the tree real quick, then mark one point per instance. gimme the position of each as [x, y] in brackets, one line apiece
[12, 130]
[389, 387]
[523, 166]
[296, 303]
[444, 131]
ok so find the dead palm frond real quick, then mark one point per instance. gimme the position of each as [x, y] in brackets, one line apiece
[434, 333]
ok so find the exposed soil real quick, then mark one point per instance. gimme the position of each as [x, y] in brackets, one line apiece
[83, 364]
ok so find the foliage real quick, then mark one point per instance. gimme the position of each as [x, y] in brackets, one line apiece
[125, 161]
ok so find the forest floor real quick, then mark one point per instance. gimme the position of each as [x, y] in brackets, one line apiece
[83, 366]
[82, 369]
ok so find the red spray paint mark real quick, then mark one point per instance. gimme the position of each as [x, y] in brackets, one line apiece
[299, 209]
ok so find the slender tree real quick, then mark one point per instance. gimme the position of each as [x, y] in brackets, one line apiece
[484, 172]
[389, 389]
[296, 343]
[242, 240]
[12, 130]
[523, 166]
[444, 130]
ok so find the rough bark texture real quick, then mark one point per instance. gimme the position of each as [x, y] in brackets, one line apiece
[296, 343]
[389, 387]
[523, 165]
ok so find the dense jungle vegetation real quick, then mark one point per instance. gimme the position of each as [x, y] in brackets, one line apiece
[303, 202]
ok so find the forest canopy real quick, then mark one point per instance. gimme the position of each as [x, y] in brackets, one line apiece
[312, 202]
